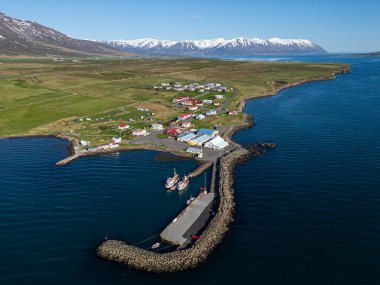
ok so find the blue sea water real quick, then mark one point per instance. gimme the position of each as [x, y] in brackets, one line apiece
[307, 212]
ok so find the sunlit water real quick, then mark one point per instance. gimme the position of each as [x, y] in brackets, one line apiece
[306, 213]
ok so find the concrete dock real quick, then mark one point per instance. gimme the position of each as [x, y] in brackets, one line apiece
[189, 221]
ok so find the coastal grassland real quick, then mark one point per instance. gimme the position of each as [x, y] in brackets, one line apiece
[42, 96]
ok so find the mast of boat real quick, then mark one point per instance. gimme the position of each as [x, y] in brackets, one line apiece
[205, 185]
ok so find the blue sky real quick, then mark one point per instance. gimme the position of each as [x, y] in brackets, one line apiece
[337, 25]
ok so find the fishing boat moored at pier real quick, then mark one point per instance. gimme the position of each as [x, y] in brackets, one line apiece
[172, 181]
[183, 183]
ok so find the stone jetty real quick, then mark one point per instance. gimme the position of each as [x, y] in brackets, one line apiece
[141, 259]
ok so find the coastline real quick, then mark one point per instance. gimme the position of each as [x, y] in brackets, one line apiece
[134, 257]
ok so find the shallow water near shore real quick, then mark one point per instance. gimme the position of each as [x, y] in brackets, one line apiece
[307, 212]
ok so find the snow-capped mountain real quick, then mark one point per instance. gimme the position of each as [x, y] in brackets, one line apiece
[31, 38]
[221, 47]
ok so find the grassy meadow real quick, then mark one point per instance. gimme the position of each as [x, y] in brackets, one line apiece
[42, 96]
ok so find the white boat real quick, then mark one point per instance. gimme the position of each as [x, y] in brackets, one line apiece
[172, 181]
[190, 200]
[156, 245]
[183, 183]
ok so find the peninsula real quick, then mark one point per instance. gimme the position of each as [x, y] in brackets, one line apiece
[106, 105]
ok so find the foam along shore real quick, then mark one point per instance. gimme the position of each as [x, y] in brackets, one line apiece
[132, 256]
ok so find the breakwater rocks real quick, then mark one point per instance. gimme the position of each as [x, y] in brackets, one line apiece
[134, 257]
[267, 145]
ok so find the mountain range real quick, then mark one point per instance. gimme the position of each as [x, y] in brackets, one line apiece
[19, 37]
[218, 47]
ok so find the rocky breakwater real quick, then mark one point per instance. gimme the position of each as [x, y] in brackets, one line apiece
[134, 257]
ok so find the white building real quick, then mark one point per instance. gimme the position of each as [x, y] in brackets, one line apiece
[200, 117]
[116, 139]
[186, 124]
[140, 133]
[219, 96]
[211, 113]
[157, 127]
[217, 143]
[207, 101]
[84, 143]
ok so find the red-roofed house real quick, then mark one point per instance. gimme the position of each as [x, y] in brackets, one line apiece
[123, 127]
[173, 131]
[184, 117]
[189, 102]
[180, 99]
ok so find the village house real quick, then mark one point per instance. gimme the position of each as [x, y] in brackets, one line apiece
[234, 112]
[186, 124]
[200, 117]
[157, 127]
[192, 108]
[116, 139]
[83, 142]
[184, 117]
[211, 113]
[140, 133]
[180, 99]
[189, 102]
[123, 127]
[173, 132]
[219, 96]
[206, 101]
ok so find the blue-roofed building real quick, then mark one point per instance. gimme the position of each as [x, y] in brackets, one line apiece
[199, 141]
[186, 137]
[209, 132]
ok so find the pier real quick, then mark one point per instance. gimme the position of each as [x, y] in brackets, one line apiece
[189, 221]
[68, 159]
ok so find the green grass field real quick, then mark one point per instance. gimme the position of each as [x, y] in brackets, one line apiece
[40, 96]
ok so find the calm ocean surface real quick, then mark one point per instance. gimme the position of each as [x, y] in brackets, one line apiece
[307, 212]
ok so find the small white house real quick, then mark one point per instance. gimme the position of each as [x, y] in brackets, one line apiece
[157, 127]
[200, 117]
[116, 139]
[186, 125]
[84, 143]
[140, 133]
[211, 113]
[193, 108]
[207, 101]
[219, 96]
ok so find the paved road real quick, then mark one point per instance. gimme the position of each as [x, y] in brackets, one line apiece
[228, 101]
